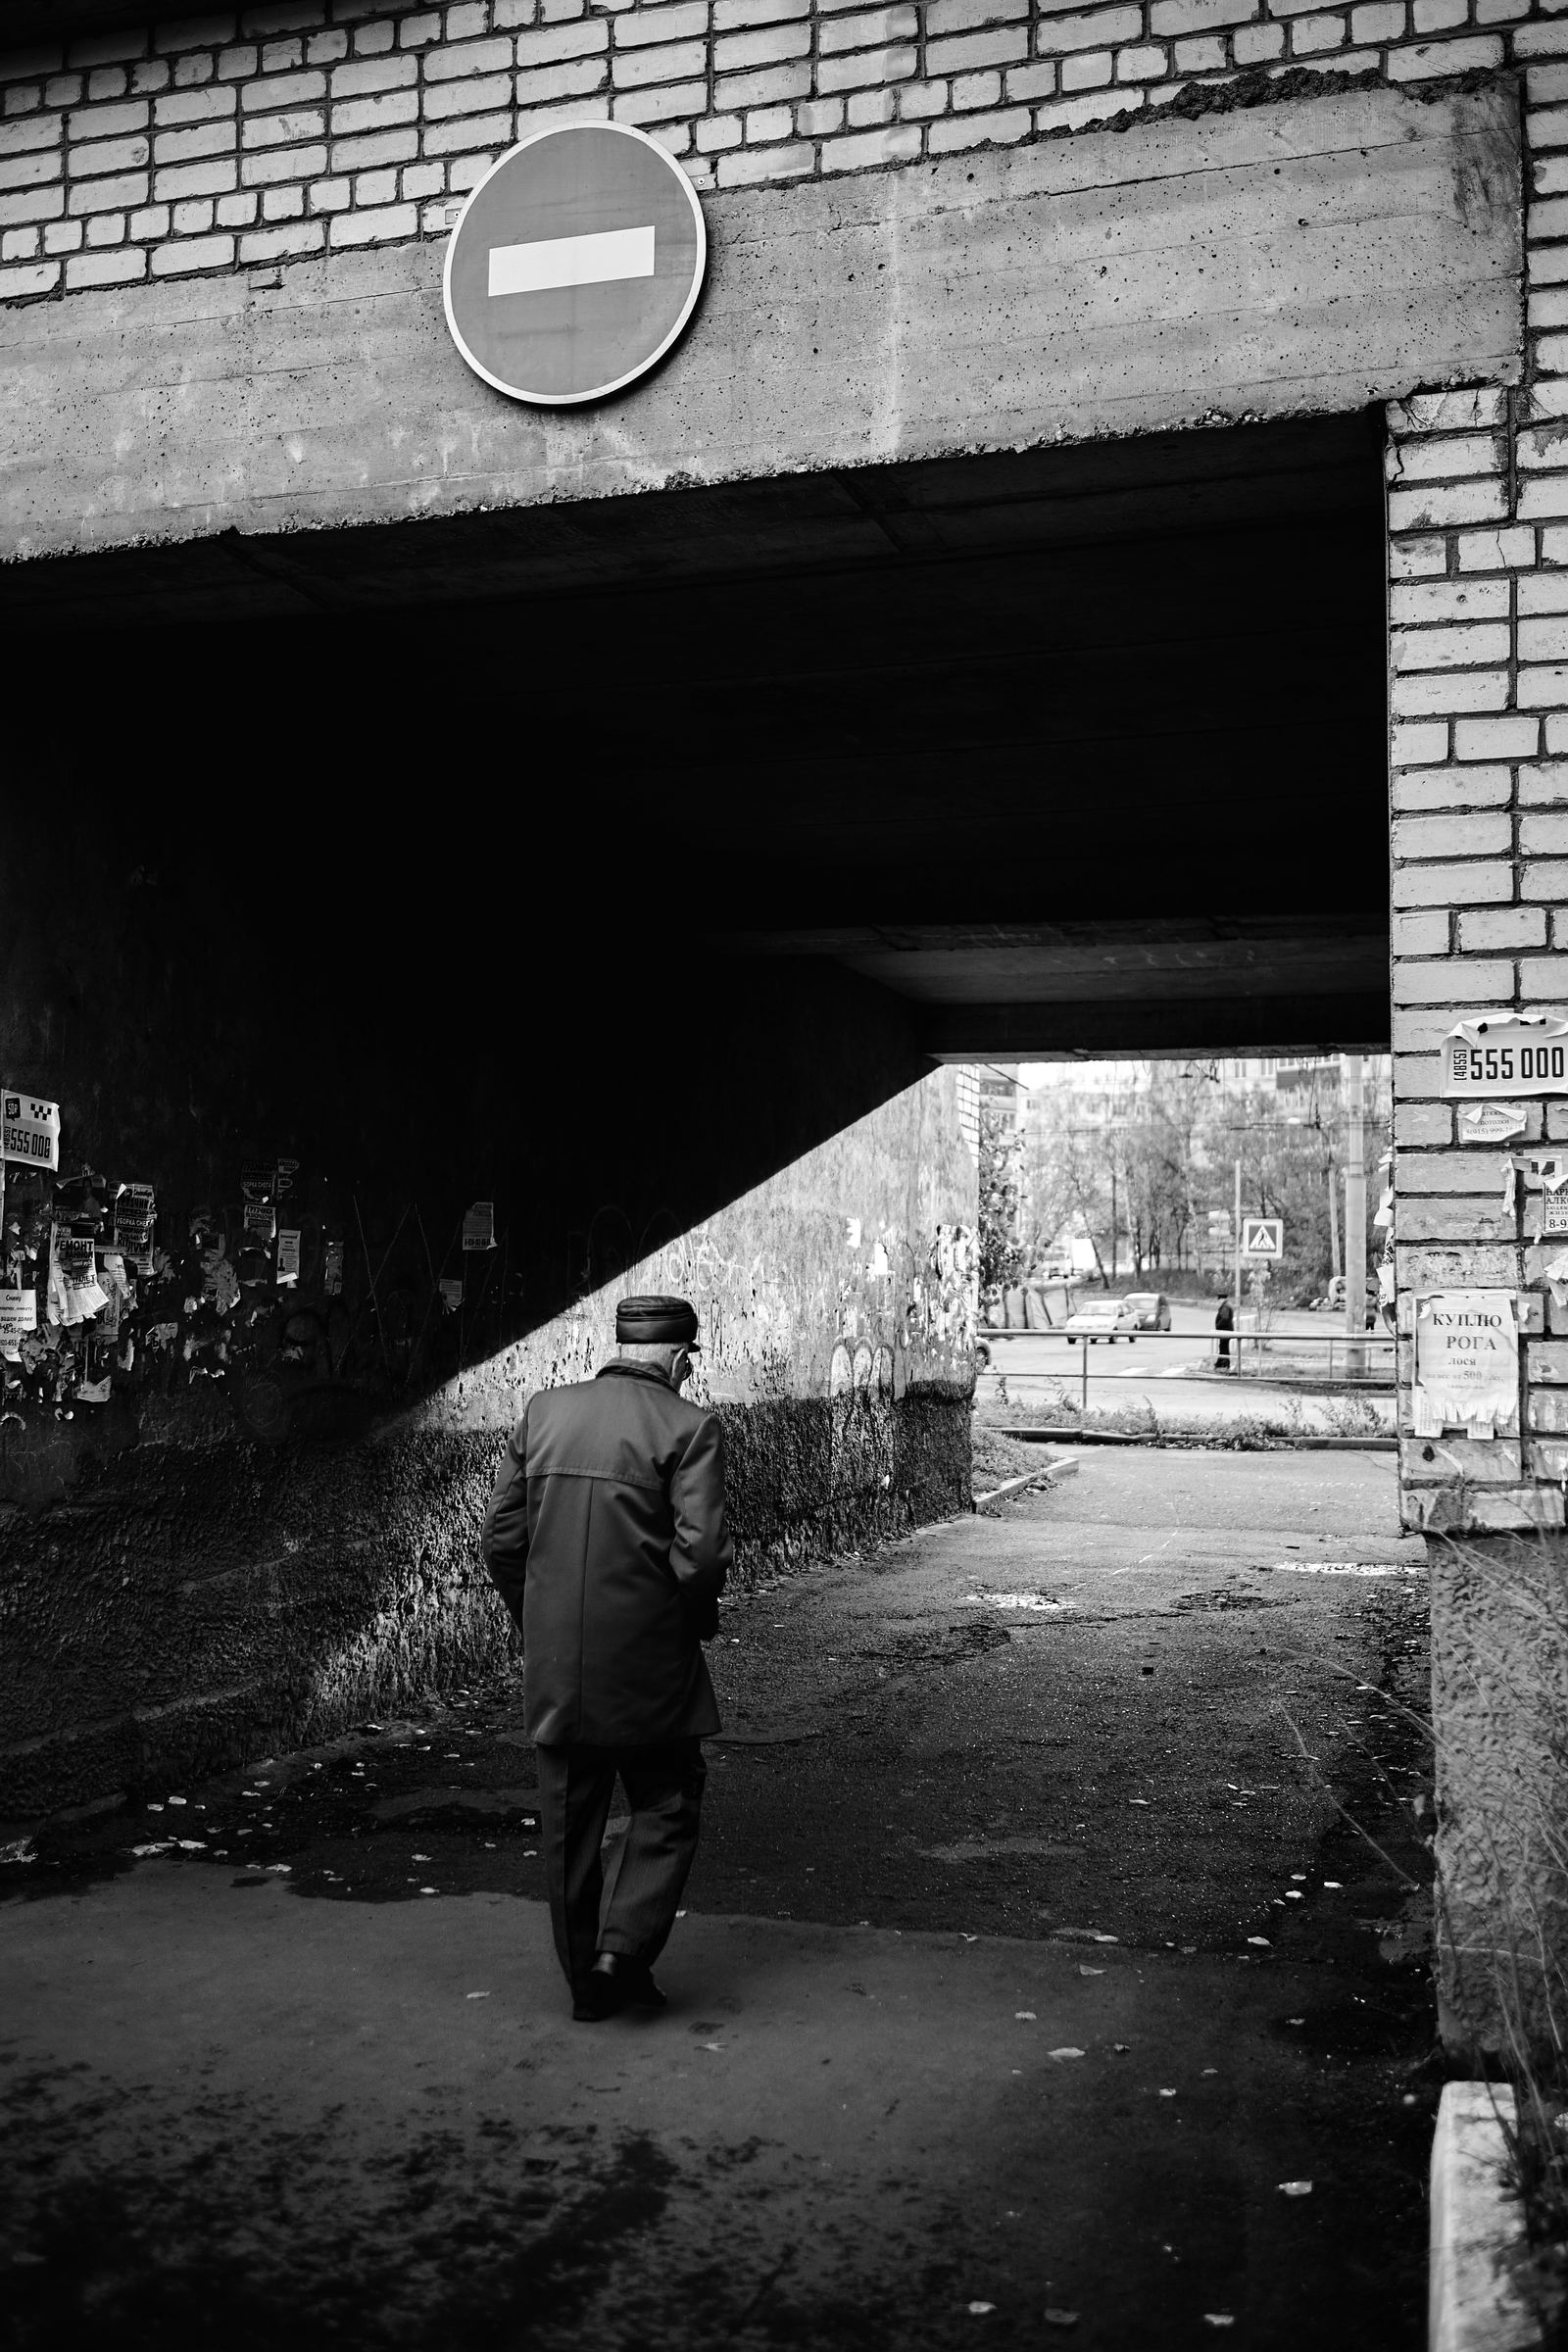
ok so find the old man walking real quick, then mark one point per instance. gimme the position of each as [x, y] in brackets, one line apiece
[606, 1539]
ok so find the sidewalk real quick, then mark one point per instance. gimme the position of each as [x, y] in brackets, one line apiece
[251, 2120]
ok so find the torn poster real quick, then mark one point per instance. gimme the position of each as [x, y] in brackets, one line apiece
[1491, 1122]
[112, 1281]
[288, 1254]
[94, 1392]
[260, 1223]
[29, 1130]
[135, 1214]
[283, 1183]
[74, 1290]
[479, 1226]
[1466, 1363]
[452, 1293]
[19, 1314]
[1551, 1214]
[257, 1178]
[1506, 1054]
[332, 1268]
[1547, 1169]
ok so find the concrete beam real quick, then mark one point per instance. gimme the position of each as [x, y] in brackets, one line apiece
[1307, 257]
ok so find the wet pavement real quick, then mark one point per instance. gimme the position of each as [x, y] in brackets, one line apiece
[1129, 1769]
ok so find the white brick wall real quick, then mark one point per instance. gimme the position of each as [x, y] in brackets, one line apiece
[232, 140]
[1479, 707]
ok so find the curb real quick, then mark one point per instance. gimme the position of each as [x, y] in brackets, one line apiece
[1473, 2305]
[1030, 1478]
[1117, 1436]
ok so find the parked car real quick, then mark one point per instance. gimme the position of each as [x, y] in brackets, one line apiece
[1108, 1319]
[1154, 1309]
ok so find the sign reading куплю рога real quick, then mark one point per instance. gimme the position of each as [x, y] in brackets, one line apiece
[574, 264]
[1506, 1054]
[1466, 1363]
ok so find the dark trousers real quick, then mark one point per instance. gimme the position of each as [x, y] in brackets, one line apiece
[634, 1914]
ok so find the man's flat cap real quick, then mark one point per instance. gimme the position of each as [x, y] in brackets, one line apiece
[652, 1322]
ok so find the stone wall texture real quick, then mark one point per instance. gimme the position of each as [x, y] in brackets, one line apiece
[247, 139]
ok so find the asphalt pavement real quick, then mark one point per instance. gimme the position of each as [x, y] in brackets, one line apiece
[1053, 1966]
[1172, 1377]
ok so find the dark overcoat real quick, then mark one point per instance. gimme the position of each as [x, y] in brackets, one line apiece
[606, 1538]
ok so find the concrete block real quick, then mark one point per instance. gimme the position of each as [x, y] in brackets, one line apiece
[177, 109]
[213, 179]
[952, 135]
[1503, 927]
[665, 103]
[1543, 979]
[1415, 789]
[1510, 550]
[280, 91]
[469, 58]
[121, 269]
[1477, 1461]
[366, 77]
[107, 155]
[1479, 833]
[680, 61]
[1423, 934]
[1452, 647]
[1416, 743]
[1472, 1170]
[1429, 1268]
[490, 90]
[864, 65]
[26, 281]
[1474, 1220]
[203, 138]
[551, 43]
[285, 164]
[1457, 692]
[765, 163]
[1440, 505]
[1098, 28]
[1516, 737]
[1423, 1123]
[377, 226]
[1004, 45]
[1421, 603]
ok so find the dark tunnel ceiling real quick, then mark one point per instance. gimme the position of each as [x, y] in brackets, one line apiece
[1074, 751]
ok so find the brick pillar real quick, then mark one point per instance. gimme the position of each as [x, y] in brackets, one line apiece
[1478, 545]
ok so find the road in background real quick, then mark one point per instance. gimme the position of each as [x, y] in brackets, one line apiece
[1158, 1369]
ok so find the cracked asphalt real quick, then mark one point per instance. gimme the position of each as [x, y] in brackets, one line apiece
[1063, 1892]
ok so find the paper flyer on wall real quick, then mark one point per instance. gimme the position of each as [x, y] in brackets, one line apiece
[479, 1226]
[19, 1314]
[1466, 1364]
[452, 1293]
[288, 1256]
[29, 1130]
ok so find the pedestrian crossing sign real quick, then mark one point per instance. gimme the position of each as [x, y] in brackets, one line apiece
[1263, 1237]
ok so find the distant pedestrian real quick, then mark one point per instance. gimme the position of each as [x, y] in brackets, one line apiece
[1224, 1324]
[606, 1539]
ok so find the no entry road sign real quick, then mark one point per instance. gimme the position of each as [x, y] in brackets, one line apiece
[574, 264]
[1263, 1237]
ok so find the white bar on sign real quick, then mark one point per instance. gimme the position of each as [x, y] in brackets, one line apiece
[591, 261]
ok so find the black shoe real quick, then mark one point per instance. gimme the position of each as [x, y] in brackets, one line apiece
[641, 1992]
[598, 1994]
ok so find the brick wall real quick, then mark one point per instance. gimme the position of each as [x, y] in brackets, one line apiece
[1478, 544]
[248, 139]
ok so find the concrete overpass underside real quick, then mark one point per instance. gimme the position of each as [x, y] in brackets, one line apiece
[1071, 751]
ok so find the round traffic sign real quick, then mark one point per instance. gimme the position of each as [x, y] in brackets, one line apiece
[574, 264]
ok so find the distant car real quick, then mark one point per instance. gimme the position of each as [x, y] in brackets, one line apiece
[1154, 1309]
[1108, 1319]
